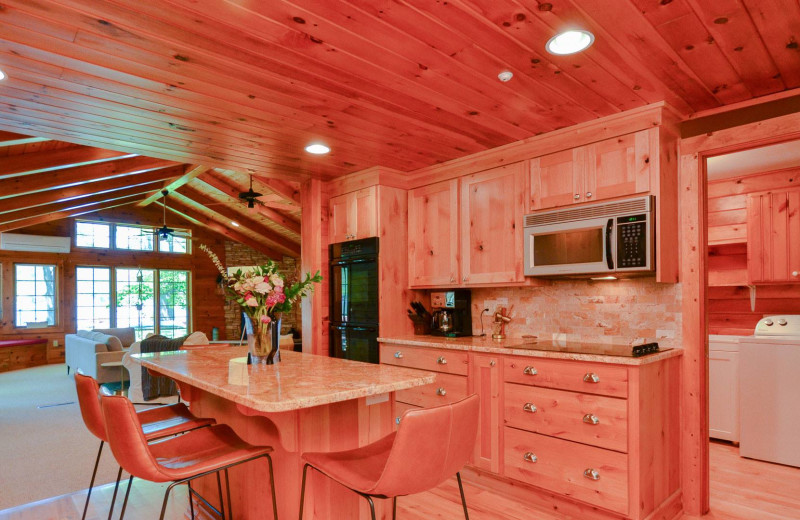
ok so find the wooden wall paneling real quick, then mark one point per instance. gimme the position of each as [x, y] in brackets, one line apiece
[395, 296]
[665, 188]
[314, 257]
[433, 234]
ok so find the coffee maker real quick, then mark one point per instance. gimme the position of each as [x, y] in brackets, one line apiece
[452, 313]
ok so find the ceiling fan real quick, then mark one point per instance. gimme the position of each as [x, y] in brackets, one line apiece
[250, 196]
[165, 232]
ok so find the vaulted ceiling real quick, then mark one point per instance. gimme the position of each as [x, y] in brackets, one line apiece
[196, 95]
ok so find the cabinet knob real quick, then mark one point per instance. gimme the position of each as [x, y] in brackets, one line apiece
[398, 354]
[397, 420]
[588, 194]
[464, 279]
[492, 363]
[591, 377]
[452, 279]
[577, 196]
[591, 474]
[591, 418]
[795, 273]
[441, 391]
[530, 457]
[529, 407]
[441, 360]
[530, 371]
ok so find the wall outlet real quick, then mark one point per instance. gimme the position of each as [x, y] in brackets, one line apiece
[55, 342]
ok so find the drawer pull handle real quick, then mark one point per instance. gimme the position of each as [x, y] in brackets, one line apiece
[441, 391]
[591, 377]
[591, 474]
[530, 457]
[398, 355]
[441, 360]
[397, 420]
[529, 407]
[529, 370]
[591, 418]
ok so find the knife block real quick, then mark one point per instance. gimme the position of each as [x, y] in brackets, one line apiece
[421, 328]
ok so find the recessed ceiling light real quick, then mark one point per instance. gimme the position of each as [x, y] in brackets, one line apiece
[505, 76]
[570, 42]
[234, 223]
[317, 149]
[2, 75]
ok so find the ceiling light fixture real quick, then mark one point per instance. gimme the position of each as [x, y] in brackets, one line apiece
[505, 76]
[2, 75]
[317, 149]
[569, 42]
[234, 223]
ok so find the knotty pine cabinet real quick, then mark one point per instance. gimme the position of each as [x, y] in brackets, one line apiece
[773, 236]
[596, 439]
[607, 169]
[354, 215]
[468, 231]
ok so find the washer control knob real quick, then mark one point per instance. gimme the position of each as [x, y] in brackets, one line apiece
[769, 323]
[782, 322]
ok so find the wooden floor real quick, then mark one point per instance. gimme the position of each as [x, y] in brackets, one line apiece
[741, 489]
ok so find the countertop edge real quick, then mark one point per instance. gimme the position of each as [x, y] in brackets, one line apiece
[595, 358]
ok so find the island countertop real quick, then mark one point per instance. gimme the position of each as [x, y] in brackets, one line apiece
[534, 347]
[298, 381]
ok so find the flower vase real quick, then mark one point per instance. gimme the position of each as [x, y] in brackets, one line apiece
[264, 342]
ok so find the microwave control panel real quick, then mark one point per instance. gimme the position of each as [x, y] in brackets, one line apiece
[632, 236]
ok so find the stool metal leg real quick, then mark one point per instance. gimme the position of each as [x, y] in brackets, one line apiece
[394, 508]
[463, 500]
[114, 496]
[125, 502]
[303, 490]
[272, 486]
[94, 474]
[371, 505]
[219, 491]
[191, 502]
[228, 492]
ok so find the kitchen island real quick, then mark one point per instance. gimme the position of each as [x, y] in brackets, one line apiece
[303, 403]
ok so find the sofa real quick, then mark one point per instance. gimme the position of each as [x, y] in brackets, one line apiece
[86, 351]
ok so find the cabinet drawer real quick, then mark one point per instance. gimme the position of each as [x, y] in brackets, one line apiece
[588, 419]
[437, 360]
[446, 389]
[577, 376]
[566, 468]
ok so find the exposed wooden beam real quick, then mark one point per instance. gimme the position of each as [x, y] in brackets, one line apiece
[7, 218]
[282, 188]
[89, 189]
[192, 197]
[222, 184]
[13, 139]
[191, 173]
[70, 212]
[28, 164]
[198, 218]
[124, 168]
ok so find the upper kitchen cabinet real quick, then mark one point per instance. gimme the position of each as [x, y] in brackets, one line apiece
[773, 236]
[433, 235]
[492, 208]
[611, 168]
[354, 215]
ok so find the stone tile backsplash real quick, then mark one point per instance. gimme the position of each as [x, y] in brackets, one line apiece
[622, 311]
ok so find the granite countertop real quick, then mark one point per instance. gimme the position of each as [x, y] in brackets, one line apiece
[298, 381]
[533, 347]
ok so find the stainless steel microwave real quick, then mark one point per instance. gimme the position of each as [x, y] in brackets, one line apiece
[614, 237]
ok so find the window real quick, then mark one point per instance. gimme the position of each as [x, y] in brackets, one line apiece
[34, 295]
[172, 244]
[93, 308]
[136, 238]
[173, 303]
[92, 234]
[135, 300]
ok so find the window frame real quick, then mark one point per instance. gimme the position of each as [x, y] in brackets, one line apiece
[98, 223]
[113, 238]
[56, 326]
[112, 318]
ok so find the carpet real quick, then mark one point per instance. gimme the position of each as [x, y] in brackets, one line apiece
[46, 449]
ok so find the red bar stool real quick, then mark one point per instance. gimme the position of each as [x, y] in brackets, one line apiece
[157, 423]
[180, 459]
[430, 445]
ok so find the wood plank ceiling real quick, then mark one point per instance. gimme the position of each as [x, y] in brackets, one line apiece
[239, 87]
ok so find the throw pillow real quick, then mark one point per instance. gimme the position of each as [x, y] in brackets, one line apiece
[114, 344]
[196, 338]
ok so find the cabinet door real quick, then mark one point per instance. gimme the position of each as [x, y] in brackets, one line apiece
[618, 167]
[342, 215]
[433, 234]
[487, 383]
[365, 219]
[773, 236]
[557, 179]
[723, 395]
[492, 208]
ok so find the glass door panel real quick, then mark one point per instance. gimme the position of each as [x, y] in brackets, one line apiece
[173, 303]
[135, 300]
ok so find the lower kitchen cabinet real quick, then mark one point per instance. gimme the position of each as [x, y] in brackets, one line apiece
[601, 438]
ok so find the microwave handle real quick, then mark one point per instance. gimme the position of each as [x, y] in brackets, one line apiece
[609, 254]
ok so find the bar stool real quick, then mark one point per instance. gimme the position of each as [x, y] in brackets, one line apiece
[180, 459]
[430, 445]
[157, 423]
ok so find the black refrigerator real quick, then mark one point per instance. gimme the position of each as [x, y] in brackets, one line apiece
[354, 300]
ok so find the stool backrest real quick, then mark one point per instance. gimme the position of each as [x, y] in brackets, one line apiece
[89, 402]
[431, 446]
[127, 440]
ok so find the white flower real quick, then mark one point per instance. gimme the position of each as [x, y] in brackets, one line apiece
[262, 287]
[276, 280]
[258, 279]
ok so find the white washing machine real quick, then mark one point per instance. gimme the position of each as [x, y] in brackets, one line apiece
[769, 398]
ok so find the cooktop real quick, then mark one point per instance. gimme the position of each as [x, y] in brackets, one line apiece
[577, 347]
